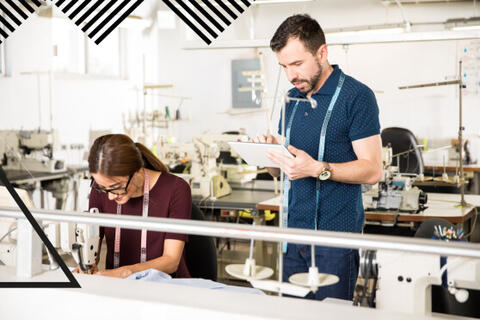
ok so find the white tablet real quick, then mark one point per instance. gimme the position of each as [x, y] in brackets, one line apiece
[256, 153]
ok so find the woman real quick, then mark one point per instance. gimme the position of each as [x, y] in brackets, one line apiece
[129, 179]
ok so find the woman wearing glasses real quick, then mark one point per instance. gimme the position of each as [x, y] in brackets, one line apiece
[127, 178]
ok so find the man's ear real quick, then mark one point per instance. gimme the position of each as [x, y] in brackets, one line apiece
[322, 53]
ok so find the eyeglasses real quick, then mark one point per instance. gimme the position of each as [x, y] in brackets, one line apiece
[114, 191]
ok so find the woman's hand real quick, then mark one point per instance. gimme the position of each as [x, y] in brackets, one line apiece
[121, 272]
[92, 270]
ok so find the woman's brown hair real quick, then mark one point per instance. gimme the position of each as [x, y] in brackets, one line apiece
[116, 155]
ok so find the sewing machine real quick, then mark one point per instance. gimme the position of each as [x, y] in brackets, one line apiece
[394, 191]
[201, 170]
[229, 162]
[29, 150]
[8, 227]
[81, 240]
[411, 276]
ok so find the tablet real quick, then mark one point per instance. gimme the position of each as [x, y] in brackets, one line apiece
[256, 153]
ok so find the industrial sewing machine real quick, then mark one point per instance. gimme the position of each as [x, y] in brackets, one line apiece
[411, 277]
[81, 240]
[394, 191]
[200, 160]
[8, 227]
[29, 150]
[229, 162]
[208, 163]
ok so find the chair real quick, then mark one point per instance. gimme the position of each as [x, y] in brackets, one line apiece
[200, 252]
[427, 228]
[402, 139]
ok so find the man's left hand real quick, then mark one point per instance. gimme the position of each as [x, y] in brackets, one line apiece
[121, 272]
[301, 167]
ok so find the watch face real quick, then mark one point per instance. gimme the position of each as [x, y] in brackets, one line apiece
[324, 175]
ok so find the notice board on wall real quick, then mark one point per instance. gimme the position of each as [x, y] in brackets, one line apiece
[469, 54]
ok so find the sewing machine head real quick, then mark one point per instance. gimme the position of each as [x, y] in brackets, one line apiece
[29, 150]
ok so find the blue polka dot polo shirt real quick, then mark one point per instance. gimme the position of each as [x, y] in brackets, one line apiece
[354, 116]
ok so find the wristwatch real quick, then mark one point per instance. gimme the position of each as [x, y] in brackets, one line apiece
[326, 172]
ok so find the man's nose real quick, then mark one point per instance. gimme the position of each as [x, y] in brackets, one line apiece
[291, 74]
[112, 196]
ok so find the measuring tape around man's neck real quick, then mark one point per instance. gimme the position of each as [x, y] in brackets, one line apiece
[143, 247]
[321, 153]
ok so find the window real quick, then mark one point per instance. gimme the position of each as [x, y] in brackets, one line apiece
[69, 47]
[104, 59]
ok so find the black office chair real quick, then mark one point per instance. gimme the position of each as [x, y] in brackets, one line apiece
[200, 252]
[402, 139]
[427, 228]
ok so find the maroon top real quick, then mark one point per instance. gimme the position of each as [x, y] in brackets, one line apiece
[170, 197]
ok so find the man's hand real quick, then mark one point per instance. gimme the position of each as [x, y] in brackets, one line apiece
[121, 272]
[301, 167]
[274, 172]
[265, 139]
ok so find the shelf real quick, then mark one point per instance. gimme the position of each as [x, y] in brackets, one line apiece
[157, 86]
[240, 111]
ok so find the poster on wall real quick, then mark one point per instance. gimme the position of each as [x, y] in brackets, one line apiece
[470, 56]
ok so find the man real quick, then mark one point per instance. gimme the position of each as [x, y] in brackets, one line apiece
[324, 191]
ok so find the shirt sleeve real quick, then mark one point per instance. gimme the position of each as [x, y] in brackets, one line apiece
[364, 121]
[180, 206]
[95, 201]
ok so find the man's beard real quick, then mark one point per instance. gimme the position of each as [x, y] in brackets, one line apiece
[312, 82]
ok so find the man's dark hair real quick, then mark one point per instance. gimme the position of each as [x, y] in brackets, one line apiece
[300, 26]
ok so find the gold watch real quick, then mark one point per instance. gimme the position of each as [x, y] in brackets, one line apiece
[326, 172]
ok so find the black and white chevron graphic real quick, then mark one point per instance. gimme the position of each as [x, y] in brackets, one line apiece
[13, 14]
[206, 17]
[98, 18]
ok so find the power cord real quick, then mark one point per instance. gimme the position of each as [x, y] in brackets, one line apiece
[7, 234]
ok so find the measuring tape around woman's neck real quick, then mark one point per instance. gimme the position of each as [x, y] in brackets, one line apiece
[143, 250]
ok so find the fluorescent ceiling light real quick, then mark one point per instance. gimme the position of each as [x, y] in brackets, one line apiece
[463, 24]
[361, 32]
[467, 28]
[373, 29]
